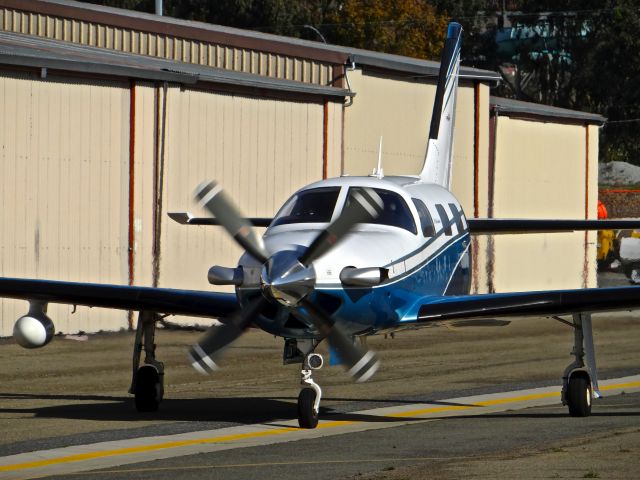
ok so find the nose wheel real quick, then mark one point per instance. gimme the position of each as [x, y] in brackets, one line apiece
[310, 395]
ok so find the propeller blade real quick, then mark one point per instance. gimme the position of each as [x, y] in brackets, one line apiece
[358, 361]
[363, 205]
[215, 201]
[203, 354]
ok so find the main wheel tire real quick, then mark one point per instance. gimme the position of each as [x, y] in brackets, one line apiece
[307, 416]
[148, 391]
[579, 395]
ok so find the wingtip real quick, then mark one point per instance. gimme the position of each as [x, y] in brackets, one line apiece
[183, 218]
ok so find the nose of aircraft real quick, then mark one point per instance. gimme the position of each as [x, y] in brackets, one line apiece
[285, 279]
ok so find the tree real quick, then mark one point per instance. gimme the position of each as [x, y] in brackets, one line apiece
[584, 55]
[609, 79]
[282, 17]
[404, 27]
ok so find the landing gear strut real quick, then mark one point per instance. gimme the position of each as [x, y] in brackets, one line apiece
[580, 380]
[311, 393]
[147, 382]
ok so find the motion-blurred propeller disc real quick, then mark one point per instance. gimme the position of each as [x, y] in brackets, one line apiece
[211, 196]
[287, 279]
[203, 355]
[359, 362]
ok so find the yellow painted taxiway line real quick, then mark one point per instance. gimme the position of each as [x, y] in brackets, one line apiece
[486, 403]
[107, 454]
[142, 448]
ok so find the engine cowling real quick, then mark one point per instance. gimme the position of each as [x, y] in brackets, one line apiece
[33, 330]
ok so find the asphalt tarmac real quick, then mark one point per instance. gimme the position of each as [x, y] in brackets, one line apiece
[539, 442]
[456, 403]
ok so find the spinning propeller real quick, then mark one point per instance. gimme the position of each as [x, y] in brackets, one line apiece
[288, 279]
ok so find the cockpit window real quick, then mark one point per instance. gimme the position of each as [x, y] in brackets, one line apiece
[396, 212]
[309, 206]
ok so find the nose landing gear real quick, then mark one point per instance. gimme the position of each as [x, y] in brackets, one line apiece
[301, 350]
[310, 395]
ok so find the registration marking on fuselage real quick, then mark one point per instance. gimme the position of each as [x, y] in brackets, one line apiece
[80, 458]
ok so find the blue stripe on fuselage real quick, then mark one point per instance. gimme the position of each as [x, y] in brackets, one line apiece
[386, 306]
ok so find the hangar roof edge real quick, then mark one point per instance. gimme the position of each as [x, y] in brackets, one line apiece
[239, 37]
[29, 51]
[510, 106]
[416, 66]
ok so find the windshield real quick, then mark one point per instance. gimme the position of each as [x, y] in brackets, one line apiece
[309, 206]
[396, 212]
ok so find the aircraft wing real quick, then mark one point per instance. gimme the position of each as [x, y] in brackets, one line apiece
[540, 303]
[159, 300]
[477, 226]
[486, 226]
[186, 218]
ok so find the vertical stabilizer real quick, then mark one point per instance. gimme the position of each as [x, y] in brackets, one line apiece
[439, 157]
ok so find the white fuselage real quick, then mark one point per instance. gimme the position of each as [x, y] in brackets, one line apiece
[420, 259]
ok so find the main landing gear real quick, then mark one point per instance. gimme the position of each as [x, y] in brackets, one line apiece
[309, 399]
[580, 380]
[147, 383]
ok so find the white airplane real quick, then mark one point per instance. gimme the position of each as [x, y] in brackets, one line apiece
[345, 257]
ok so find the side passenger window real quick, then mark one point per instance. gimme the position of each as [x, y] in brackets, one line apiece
[457, 216]
[426, 222]
[446, 223]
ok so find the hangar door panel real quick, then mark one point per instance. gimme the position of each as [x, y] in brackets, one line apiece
[261, 150]
[397, 109]
[63, 167]
[541, 172]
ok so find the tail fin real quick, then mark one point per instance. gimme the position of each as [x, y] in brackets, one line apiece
[439, 157]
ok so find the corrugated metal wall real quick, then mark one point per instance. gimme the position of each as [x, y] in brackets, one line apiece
[396, 109]
[400, 110]
[261, 150]
[170, 47]
[533, 162]
[145, 153]
[462, 180]
[541, 172]
[63, 187]
[64, 179]
[334, 129]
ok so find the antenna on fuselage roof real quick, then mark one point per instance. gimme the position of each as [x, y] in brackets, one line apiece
[378, 172]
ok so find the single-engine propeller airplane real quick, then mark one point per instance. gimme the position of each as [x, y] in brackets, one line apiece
[344, 257]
